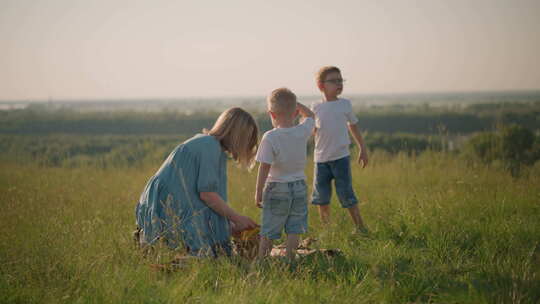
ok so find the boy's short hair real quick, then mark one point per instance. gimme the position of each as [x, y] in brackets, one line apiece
[324, 71]
[281, 100]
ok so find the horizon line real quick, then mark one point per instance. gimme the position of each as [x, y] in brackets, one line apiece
[247, 96]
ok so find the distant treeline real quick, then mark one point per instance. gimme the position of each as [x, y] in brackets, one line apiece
[101, 123]
[129, 150]
[513, 147]
[35, 121]
[87, 150]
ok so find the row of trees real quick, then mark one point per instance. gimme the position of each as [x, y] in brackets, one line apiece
[60, 138]
[514, 146]
[81, 150]
[122, 150]
[29, 121]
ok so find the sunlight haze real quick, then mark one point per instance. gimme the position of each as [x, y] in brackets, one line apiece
[60, 49]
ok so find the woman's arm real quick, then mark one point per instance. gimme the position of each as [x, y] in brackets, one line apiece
[264, 168]
[216, 203]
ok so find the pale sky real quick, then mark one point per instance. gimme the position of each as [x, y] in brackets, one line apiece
[93, 49]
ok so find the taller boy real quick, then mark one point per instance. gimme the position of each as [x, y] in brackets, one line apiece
[332, 156]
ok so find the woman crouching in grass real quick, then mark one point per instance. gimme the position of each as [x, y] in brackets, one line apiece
[184, 203]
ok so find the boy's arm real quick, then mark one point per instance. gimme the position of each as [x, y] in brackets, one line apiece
[262, 175]
[362, 156]
[304, 111]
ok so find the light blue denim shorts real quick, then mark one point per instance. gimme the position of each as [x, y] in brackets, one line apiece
[284, 208]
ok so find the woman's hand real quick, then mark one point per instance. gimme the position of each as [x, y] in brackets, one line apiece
[242, 223]
[234, 231]
[216, 203]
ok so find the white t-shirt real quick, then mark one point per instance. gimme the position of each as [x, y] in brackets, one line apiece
[285, 150]
[332, 137]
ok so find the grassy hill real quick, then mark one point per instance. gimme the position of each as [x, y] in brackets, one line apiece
[443, 230]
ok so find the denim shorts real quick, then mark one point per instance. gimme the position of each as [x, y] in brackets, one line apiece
[284, 207]
[340, 171]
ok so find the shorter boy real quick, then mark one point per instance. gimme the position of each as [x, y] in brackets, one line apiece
[333, 116]
[282, 158]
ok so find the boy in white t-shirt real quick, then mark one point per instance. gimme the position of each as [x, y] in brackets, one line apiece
[282, 158]
[332, 157]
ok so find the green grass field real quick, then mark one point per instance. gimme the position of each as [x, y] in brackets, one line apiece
[443, 231]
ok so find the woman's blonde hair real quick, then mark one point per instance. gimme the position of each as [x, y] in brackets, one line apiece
[237, 132]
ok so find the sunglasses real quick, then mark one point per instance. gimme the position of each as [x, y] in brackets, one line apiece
[336, 81]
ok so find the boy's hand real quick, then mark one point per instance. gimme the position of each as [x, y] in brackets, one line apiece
[304, 111]
[258, 200]
[363, 159]
[264, 169]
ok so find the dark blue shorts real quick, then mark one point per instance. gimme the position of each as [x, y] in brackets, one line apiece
[338, 170]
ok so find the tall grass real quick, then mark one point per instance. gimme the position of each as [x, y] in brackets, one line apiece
[442, 231]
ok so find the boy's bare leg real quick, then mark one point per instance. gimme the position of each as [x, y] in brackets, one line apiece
[265, 246]
[292, 244]
[357, 219]
[324, 212]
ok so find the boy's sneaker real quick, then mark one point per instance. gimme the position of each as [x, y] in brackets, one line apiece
[361, 231]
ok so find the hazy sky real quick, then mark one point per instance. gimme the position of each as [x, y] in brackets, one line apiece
[87, 49]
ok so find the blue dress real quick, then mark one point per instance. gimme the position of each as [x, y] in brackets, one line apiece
[170, 207]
